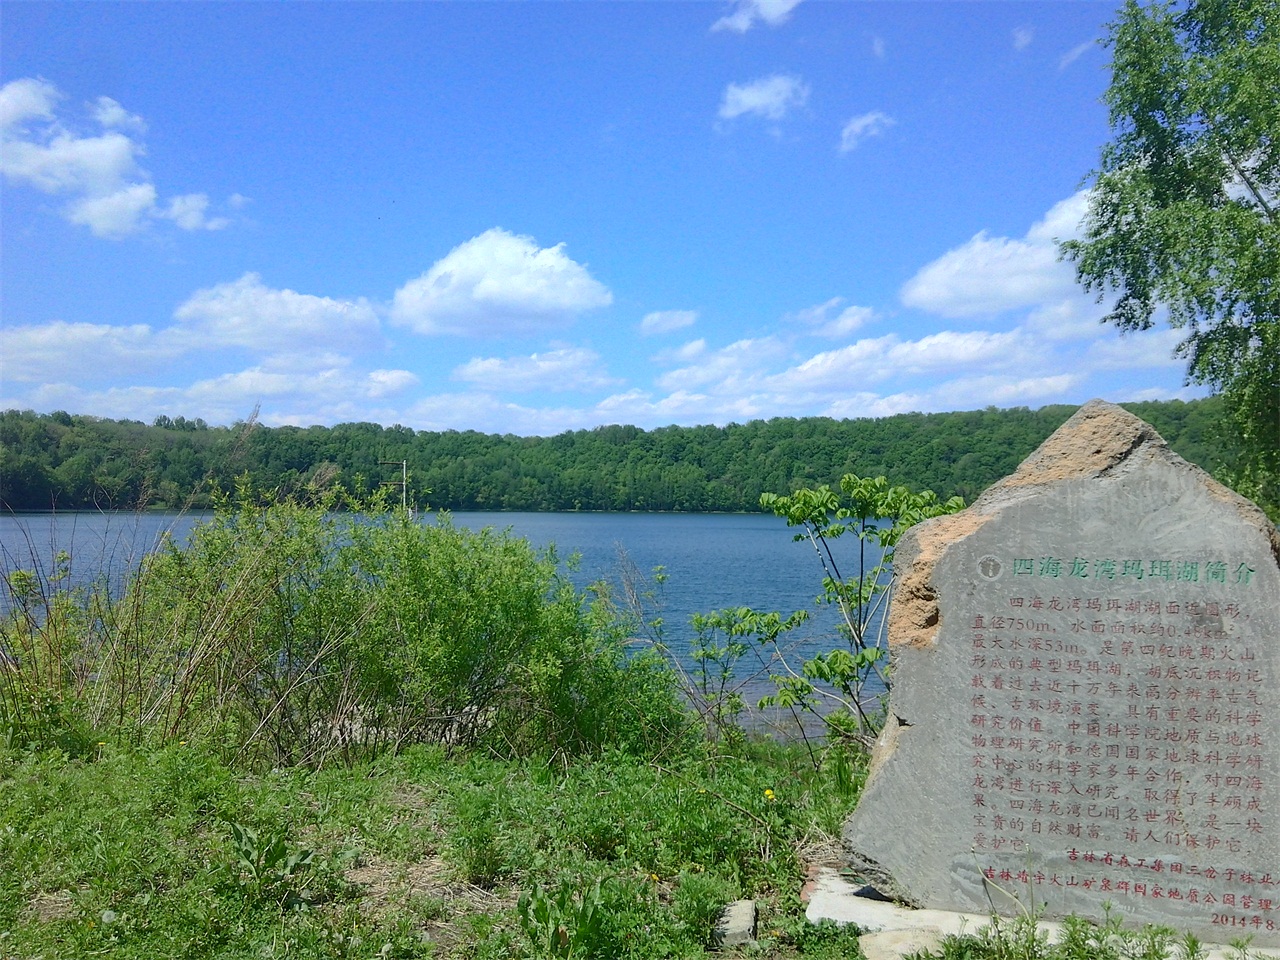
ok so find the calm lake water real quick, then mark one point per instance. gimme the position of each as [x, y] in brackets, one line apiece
[711, 561]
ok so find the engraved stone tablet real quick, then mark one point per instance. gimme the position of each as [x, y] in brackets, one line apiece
[1085, 706]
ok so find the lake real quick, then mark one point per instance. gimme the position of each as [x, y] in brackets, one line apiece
[711, 561]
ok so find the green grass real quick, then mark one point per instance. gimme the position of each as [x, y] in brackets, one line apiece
[171, 853]
[1020, 938]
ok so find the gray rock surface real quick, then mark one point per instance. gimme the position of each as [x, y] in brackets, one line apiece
[1087, 672]
[737, 925]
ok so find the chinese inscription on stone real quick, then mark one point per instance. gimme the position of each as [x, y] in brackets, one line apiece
[1085, 707]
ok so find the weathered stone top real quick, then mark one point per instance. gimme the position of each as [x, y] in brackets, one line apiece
[1099, 438]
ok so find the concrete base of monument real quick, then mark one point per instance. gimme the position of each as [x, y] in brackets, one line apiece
[893, 931]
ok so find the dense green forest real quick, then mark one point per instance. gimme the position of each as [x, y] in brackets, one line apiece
[64, 461]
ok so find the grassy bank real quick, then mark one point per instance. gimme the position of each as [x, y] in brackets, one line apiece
[170, 852]
[312, 734]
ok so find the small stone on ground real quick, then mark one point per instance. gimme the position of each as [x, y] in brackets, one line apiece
[737, 926]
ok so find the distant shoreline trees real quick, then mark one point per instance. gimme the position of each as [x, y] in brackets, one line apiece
[67, 462]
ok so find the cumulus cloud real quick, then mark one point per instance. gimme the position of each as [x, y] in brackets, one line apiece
[27, 99]
[772, 97]
[665, 321]
[833, 318]
[247, 313]
[109, 113]
[498, 283]
[99, 175]
[1075, 53]
[862, 127]
[88, 351]
[1022, 37]
[556, 370]
[385, 383]
[746, 13]
[989, 275]
[729, 365]
[116, 214]
[327, 394]
[190, 213]
[880, 358]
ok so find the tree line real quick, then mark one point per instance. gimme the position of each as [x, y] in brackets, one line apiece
[64, 461]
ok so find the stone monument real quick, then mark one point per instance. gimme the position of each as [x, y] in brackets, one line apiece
[1086, 697]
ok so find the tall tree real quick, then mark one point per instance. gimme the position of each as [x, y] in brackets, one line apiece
[1184, 212]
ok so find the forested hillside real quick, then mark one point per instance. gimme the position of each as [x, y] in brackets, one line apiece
[66, 462]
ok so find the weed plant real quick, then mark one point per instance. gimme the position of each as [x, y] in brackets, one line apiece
[1021, 938]
[171, 852]
[296, 635]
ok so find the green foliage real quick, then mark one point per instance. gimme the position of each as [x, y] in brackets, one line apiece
[267, 861]
[721, 639]
[72, 462]
[294, 634]
[876, 515]
[564, 923]
[1185, 208]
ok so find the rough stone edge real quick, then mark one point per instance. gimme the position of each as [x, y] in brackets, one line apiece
[1097, 439]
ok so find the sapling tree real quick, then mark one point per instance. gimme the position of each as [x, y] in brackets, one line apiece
[854, 676]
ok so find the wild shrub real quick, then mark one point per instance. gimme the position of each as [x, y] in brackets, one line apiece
[297, 634]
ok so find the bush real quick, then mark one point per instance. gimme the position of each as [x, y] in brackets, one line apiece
[294, 634]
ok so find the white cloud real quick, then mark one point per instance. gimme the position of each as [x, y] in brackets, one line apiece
[725, 367]
[746, 13]
[324, 395]
[83, 351]
[114, 215]
[877, 47]
[989, 275]
[862, 127]
[682, 354]
[190, 213]
[967, 393]
[1075, 53]
[498, 283]
[26, 99]
[833, 319]
[246, 313]
[771, 97]
[109, 113]
[556, 370]
[882, 358]
[63, 163]
[99, 175]
[385, 383]
[665, 321]
[1022, 37]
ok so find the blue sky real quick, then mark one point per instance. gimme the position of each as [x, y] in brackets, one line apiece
[535, 217]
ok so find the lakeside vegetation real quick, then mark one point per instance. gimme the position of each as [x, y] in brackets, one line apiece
[342, 734]
[67, 462]
[319, 733]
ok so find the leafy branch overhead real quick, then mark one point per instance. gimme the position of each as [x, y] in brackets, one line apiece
[1184, 214]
